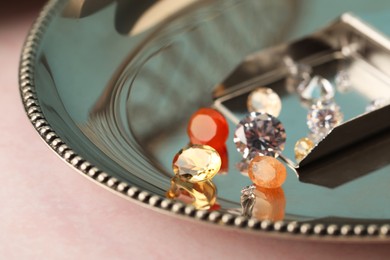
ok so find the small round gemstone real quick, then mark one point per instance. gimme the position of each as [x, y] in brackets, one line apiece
[208, 126]
[196, 163]
[259, 134]
[323, 117]
[302, 148]
[267, 172]
[201, 195]
[377, 104]
[264, 100]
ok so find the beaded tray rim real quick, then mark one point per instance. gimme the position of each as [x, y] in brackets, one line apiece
[282, 229]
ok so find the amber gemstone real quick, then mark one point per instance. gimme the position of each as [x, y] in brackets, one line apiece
[196, 163]
[201, 195]
[208, 126]
[267, 172]
[302, 148]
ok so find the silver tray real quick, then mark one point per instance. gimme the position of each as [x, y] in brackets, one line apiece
[110, 87]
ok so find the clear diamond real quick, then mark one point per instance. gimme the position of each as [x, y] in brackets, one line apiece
[259, 134]
[264, 100]
[317, 89]
[323, 117]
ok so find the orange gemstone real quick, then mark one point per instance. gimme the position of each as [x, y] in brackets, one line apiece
[208, 126]
[270, 204]
[267, 172]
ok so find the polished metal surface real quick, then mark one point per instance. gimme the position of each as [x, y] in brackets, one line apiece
[110, 86]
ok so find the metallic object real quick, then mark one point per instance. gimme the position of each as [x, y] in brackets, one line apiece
[57, 109]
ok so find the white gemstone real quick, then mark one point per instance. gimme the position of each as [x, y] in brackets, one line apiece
[323, 117]
[264, 100]
[297, 73]
[317, 89]
[259, 134]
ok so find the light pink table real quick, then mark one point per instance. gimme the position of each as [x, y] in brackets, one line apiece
[48, 211]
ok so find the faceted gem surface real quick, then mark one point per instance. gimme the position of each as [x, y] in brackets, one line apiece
[263, 204]
[201, 195]
[208, 126]
[260, 134]
[302, 148]
[196, 163]
[323, 117]
[316, 89]
[264, 100]
[343, 81]
[267, 172]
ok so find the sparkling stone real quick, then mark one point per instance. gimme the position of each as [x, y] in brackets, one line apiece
[323, 117]
[343, 82]
[317, 89]
[208, 126]
[201, 195]
[377, 104]
[267, 172]
[196, 163]
[302, 148]
[259, 134]
[263, 204]
[264, 100]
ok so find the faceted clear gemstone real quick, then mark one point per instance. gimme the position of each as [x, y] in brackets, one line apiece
[323, 117]
[267, 172]
[302, 148]
[264, 100]
[342, 81]
[317, 89]
[196, 163]
[259, 134]
[377, 103]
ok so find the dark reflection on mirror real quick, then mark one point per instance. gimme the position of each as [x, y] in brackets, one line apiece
[350, 163]
[201, 195]
[263, 204]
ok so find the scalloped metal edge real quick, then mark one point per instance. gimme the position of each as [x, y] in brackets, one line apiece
[354, 232]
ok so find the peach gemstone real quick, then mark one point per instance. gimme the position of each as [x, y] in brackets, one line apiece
[270, 204]
[267, 172]
[208, 126]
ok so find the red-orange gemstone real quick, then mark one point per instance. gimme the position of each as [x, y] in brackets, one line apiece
[208, 126]
[267, 172]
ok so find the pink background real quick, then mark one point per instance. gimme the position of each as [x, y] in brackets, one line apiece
[49, 211]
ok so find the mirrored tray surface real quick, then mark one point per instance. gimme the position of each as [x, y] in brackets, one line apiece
[111, 85]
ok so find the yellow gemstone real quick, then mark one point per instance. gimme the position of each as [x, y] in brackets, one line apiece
[267, 172]
[201, 195]
[196, 163]
[264, 100]
[302, 148]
